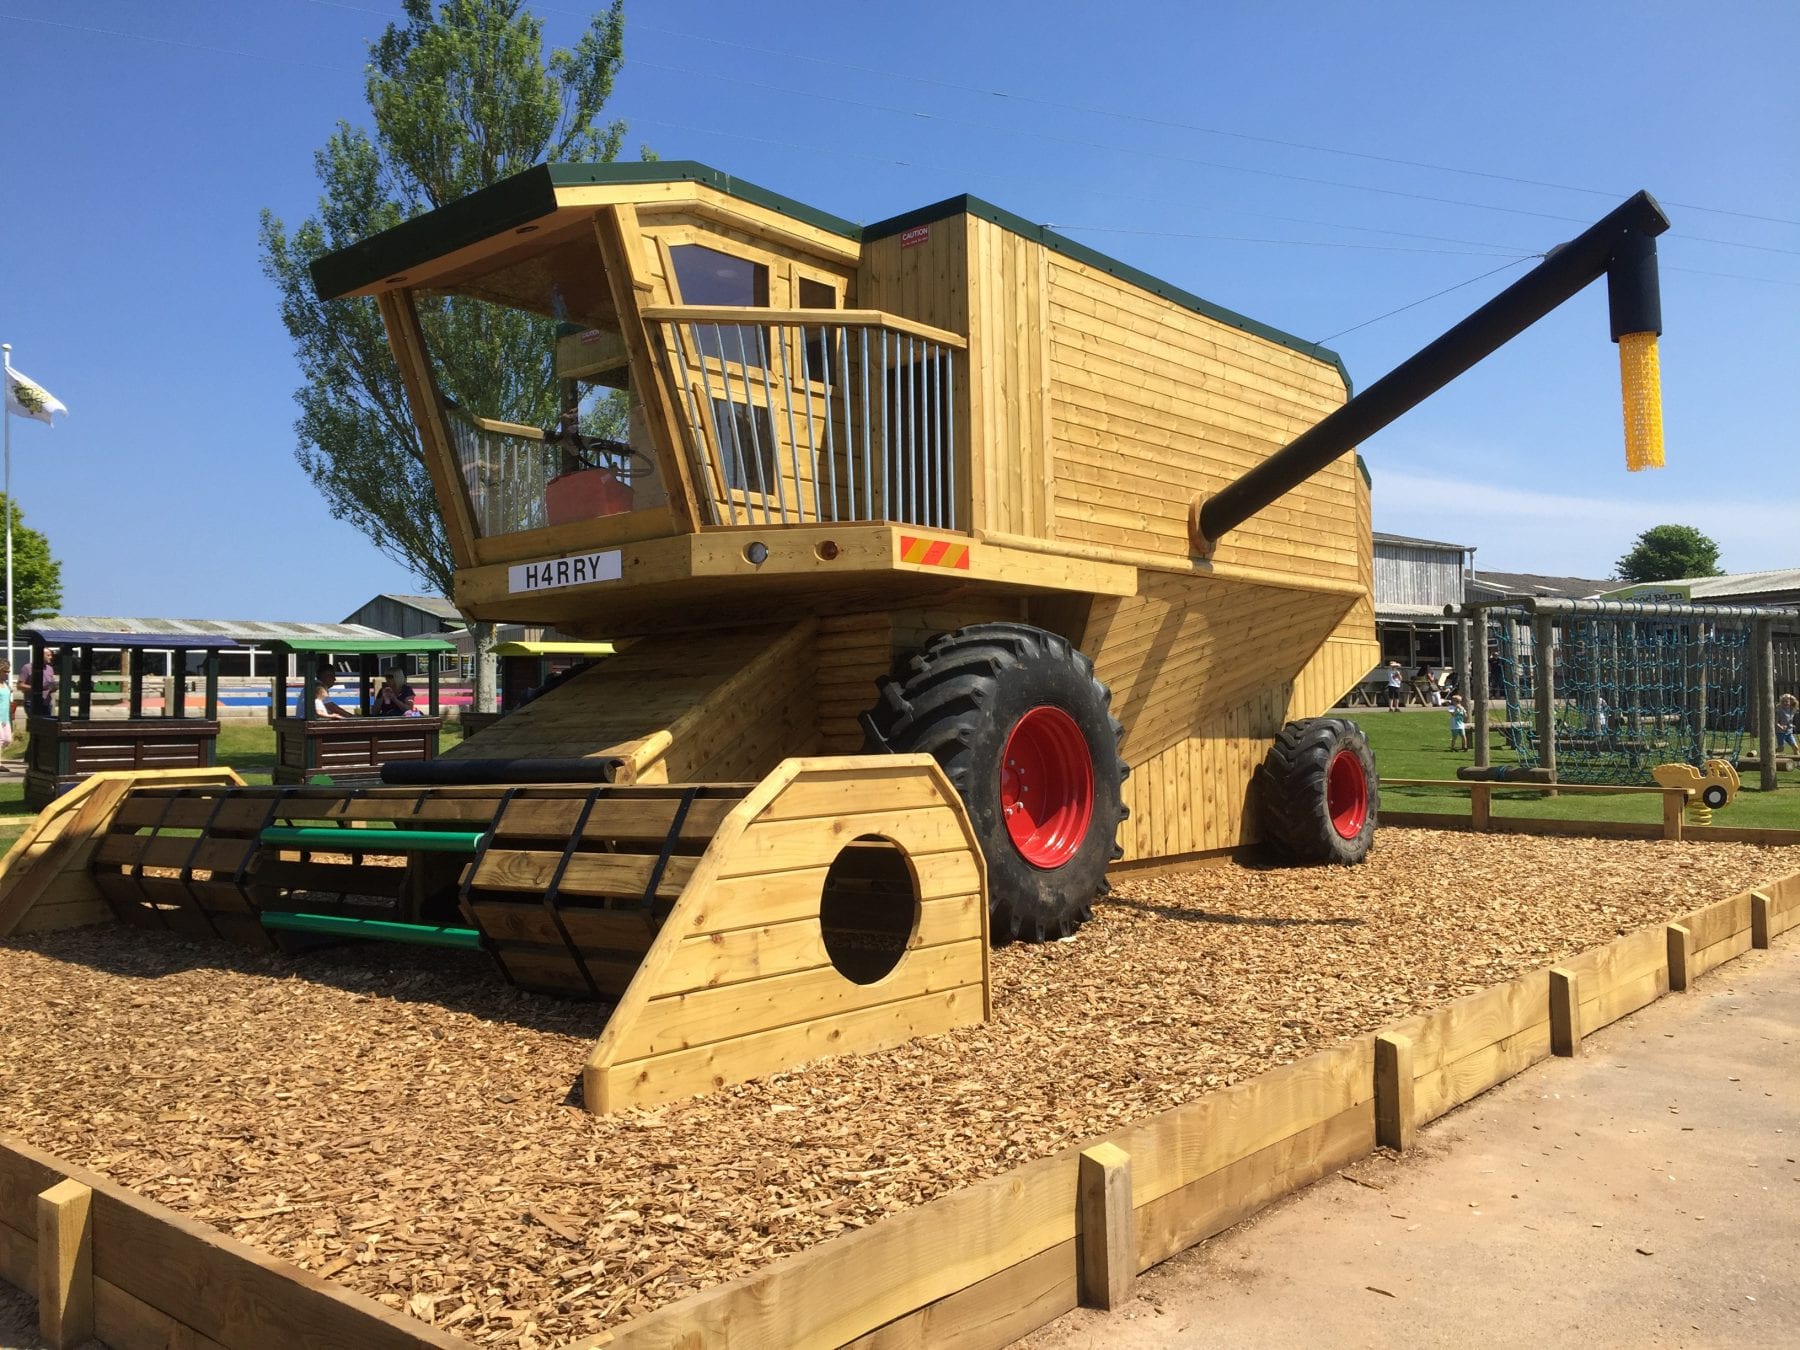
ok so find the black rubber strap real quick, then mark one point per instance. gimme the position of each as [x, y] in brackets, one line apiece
[187, 868]
[554, 890]
[468, 884]
[252, 854]
[648, 905]
[137, 871]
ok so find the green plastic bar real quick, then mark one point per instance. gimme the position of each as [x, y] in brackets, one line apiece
[377, 930]
[373, 841]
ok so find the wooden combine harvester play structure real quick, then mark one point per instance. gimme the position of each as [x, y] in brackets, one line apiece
[948, 563]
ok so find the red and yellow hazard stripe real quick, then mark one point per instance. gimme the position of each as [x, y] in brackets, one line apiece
[934, 552]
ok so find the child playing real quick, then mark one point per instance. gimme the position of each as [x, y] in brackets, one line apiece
[1787, 711]
[1459, 723]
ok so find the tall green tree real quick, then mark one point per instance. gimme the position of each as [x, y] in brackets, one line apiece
[1665, 552]
[458, 98]
[37, 575]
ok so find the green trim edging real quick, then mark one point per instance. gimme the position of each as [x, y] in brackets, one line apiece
[519, 200]
[528, 196]
[1057, 243]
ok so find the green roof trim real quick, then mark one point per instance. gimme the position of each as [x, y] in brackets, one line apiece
[519, 200]
[1057, 243]
[529, 196]
[362, 646]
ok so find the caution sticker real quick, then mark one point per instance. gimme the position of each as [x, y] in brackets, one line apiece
[934, 552]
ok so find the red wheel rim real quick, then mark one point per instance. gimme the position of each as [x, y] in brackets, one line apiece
[1047, 787]
[1346, 794]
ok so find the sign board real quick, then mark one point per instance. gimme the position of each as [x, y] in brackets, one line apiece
[579, 569]
[917, 235]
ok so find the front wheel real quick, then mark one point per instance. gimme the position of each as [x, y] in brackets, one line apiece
[1319, 793]
[1024, 732]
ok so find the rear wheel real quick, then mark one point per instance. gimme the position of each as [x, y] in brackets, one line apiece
[1023, 729]
[1319, 793]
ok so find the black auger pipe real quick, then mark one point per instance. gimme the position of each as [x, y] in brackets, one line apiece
[1621, 246]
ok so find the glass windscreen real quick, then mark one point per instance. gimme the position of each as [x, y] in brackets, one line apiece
[534, 371]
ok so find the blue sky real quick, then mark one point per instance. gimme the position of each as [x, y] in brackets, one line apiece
[1311, 165]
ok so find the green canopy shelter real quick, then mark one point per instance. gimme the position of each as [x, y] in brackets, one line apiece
[356, 745]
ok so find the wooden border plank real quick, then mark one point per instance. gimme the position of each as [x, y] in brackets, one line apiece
[65, 1265]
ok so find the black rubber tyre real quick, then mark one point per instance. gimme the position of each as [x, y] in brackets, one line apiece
[1318, 792]
[1714, 795]
[962, 701]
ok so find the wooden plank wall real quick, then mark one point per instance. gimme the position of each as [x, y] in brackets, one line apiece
[1352, 650]
[44, 882]
[160, 1280]
[986, 1265]
[739, 983]
[1152, 403]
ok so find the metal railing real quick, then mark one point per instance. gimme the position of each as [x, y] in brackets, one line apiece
[505, 468]
[796, 417]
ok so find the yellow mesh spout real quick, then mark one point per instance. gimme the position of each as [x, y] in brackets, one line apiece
[1640, 380]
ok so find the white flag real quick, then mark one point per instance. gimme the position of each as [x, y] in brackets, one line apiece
[25, 398]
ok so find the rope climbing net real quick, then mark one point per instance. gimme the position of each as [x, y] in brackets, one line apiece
[1628, 690]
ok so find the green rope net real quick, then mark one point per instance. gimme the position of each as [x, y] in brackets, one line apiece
[1631, 691]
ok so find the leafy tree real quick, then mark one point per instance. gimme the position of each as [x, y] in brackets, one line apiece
[37, 576]
[458, 99]
[1665, 552]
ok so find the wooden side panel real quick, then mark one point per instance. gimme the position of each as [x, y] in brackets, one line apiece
[1352, 650]
[741, 980]
[1188, 647]
[1465, 1047]
[1153, 403]
[1721, 931]
[1621, 977]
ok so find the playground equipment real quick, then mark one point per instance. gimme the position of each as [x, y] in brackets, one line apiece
[69, 741]
[1712, 786]
[307, 745]
[950, 488]
[1603, 691]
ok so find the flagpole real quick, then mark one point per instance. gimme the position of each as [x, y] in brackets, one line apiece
[6, 417]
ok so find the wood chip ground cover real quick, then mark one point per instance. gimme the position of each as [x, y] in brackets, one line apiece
[401, 1121]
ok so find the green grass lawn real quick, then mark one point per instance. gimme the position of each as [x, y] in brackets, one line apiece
[1415, 743]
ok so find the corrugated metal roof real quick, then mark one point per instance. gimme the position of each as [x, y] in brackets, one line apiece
[1735, 583]
[1536, 584]
[1382, 537]
[52, 636]
[242, 630]
[434, 605]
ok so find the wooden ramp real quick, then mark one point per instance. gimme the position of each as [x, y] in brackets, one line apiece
[690, 707]
[839, 905]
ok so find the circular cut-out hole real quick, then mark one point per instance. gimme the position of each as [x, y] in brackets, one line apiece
[869, 909]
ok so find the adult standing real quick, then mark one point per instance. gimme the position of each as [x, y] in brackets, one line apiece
[1395, 690]
[37, 685]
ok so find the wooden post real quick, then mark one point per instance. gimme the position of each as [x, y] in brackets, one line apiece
[212, 684]
[65, 1265]
[1478, 686]
[1762, 700]
[1565, 1011]
[1543, 665]
[1106, 1237]
[1394, 1092]
[1759, 920]
[177, 684]
[1681, 957]
[431, 683]
[65, 681]
[1481, 805]
[135, 709]
[84, 707]
[1674, 802]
